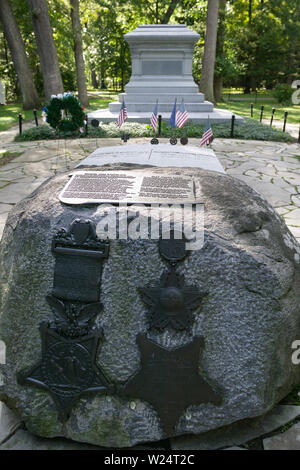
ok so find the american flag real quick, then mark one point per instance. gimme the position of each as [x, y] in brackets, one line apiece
[207, 135]
[123, 115]
[153, 119]
[181, 115]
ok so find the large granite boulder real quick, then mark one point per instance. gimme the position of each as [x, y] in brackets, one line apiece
[232, 346]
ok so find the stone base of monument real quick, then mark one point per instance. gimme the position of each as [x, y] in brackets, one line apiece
[216, 116]
[162, 72]
[134, 339]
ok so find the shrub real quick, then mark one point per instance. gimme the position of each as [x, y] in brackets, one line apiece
[248, 130]
[42, 132]
[283, 93]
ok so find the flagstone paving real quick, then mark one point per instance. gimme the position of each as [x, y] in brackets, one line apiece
[271, 168]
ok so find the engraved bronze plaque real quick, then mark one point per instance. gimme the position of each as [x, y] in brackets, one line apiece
[90, 187]
[161, 67]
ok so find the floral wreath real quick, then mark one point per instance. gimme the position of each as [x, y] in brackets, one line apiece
[65, 113]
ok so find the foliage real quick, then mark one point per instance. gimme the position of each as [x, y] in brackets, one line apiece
[43, 132]
[283, 93]
[261, 46]
[249, 129]
[74, 115]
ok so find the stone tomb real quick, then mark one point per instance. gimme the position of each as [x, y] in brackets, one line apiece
[162, 70]
[125, 340]
[162, 155]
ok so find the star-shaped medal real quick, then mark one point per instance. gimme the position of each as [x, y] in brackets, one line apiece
[171, 303]
[67, 369]
[169, 380]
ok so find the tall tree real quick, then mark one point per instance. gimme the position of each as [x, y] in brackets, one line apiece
[78, 51]
[46, 47]
[209, 56]
[218, 76]
[16, 45]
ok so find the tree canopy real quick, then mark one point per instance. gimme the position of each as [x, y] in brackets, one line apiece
[258, 41]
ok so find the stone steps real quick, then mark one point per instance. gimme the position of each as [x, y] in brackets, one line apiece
[216, 116]
[170, 88]
[161, 97]
[206, 106]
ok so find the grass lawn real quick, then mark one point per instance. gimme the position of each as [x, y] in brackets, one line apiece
[10, 112]
[9, 115]
[101, 99]
[242, 107]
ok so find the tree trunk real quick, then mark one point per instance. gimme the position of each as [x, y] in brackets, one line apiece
[209, 56]
[95, 83]
[218, 79]
[15, 43]
[78, 51]
[218, 87]
[46, 47]
[102, 68]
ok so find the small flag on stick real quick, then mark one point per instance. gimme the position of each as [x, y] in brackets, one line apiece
[173, 115]
[181, 115]
[153, 119]
[207, 135]
[123, 115]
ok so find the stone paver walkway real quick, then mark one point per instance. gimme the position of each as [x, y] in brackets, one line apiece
[272, 168]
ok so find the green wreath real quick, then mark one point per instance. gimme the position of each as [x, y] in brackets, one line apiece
[74, 116]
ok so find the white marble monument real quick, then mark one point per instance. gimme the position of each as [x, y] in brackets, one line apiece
[162, 155]
[162, 70]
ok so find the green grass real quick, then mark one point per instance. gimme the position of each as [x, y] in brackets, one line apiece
[102, 101]
[9, 115]
[249, 129]
[243, 108]
[6, 157]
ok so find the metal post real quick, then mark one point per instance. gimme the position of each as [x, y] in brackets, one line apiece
[35, 117]
[299, 134]
[20, 123]
[261, 112]
[285, 119]
[232, 126]
[251, 106]
[159, 125]
[272, 117]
